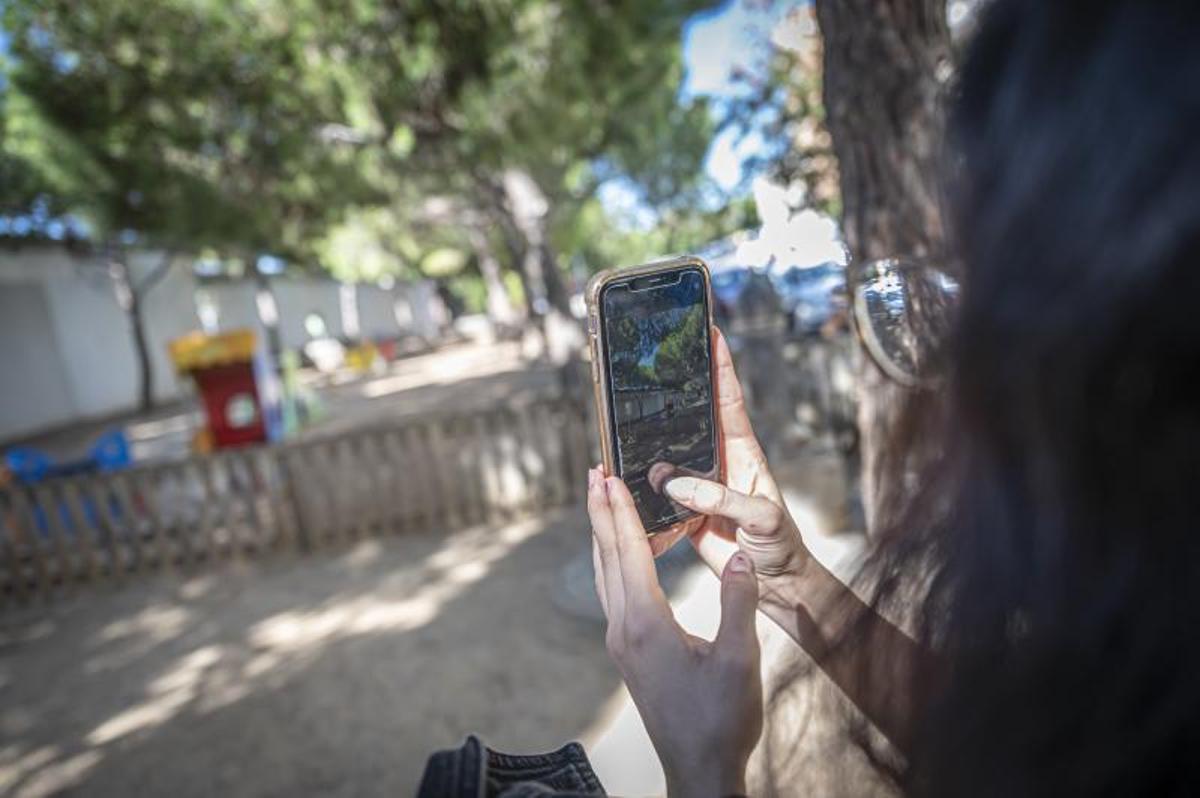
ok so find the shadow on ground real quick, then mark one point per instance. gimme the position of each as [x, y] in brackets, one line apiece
[334, 674]
[339, 672]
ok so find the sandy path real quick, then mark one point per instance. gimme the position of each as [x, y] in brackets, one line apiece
[332, 675]
[339, 672]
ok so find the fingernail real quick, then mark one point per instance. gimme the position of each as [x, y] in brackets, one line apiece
[696, 493]
[593, 477]
[740, 563]
[609, 484]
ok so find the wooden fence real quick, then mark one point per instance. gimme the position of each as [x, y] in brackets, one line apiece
[434, 473]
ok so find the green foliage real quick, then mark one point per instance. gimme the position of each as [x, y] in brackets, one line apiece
[603, 241]
[681, 354]
[516, 291]
[316, 130]
[658, 349]
[443, 262]
[190, 124]
[366, 246]
[470, 289]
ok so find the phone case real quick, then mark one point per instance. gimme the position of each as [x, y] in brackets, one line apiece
[660, 539]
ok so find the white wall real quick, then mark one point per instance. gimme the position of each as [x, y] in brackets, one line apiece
[298, 298]
[377, 312]
[34, 386]
[235, 303]
[94, 340]
[90, 334]
[420, 299]
[66, 349]
[169, 312]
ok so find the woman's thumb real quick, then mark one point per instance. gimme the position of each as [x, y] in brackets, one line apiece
[739, 599]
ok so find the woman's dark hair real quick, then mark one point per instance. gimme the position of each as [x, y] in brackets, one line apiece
[1058, 534]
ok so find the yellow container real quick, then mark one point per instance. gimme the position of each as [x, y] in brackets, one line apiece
[198, 350]
[362, 358]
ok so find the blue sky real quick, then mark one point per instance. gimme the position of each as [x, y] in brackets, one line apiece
[732, 36]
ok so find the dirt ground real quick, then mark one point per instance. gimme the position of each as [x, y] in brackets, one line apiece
[334, 675]
[337, 674]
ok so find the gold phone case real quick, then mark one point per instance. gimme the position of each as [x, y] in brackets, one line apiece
[660, 539]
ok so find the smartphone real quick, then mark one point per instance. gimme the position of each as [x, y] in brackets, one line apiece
[650, 335]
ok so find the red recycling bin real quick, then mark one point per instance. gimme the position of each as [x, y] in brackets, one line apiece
[223, 368]
[232, 404]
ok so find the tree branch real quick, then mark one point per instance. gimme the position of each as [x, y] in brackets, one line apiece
[147, 283]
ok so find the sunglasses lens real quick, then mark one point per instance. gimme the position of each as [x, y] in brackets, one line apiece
[904, 310]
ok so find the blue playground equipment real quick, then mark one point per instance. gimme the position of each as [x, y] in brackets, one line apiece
[30, 466]
[109, 453]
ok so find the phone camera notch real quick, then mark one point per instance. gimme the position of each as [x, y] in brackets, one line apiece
[655, 281]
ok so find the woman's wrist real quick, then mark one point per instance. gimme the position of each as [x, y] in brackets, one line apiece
[797, 598]
[785, 586]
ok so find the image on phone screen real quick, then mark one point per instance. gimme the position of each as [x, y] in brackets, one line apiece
[658, 352]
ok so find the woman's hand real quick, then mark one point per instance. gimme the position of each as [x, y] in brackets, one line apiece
[798, 593]
[701, 701]
[747, 512]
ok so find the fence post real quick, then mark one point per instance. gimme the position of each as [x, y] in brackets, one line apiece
[445, 513]
[441, 471]
[151, 487]
[575, 382]
[420, 474]
[78, 518]
[130, 527]
[26, 512]
[44, 496]
[12, 548]
[287, 473]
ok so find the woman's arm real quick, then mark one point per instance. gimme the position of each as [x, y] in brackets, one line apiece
[871, 659]
[879, 664]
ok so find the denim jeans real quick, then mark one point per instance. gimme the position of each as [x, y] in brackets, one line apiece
[475, 771]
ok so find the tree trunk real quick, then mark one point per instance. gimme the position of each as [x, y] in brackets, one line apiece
[527, 207]
[499, 307]
[131, 295]
[495, 207]
[885, 67]
[552, 276]
[142, 349]
[131, 303]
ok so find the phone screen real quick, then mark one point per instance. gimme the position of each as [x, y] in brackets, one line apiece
[658, 353]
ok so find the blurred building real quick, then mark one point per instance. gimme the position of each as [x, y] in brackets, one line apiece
[65, 346]
[66, 349]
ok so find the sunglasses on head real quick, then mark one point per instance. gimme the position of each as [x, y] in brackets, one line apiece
[903, 310]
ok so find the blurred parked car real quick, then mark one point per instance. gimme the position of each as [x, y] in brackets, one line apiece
[746, 303]
[811, 295]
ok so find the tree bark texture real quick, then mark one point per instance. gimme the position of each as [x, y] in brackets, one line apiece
[131, 295]
[886, 63]
[524, 236]
[142, 350]
[499, 307]
[528, 208]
